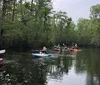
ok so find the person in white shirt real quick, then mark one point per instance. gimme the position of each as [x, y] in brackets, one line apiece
[44, 49]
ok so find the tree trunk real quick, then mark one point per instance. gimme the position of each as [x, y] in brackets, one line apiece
[2, 20]
[31, 5]
[13, 12]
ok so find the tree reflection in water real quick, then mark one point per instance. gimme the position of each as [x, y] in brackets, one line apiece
[61, 66]
[26, 71]
[89, 61]
[23, 72]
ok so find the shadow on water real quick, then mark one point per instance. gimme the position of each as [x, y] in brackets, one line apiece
[22, 69]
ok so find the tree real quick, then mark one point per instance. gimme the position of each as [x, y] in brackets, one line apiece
[95, 18]
[95, 11]
[84, 32]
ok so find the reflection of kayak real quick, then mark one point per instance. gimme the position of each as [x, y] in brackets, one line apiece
[2, 51]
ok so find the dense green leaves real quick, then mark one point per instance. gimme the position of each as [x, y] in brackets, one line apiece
[89, 29]
[34, 24]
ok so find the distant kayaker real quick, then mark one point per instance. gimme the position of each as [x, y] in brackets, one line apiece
[76, 46]
[58, 46]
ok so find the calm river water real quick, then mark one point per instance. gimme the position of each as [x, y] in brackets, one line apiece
[80, 68]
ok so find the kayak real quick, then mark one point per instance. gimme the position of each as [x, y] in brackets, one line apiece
[2, 51]
[1, 59]
[56, 49]
[41, 54]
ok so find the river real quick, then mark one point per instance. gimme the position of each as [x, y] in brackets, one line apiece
[80, 68]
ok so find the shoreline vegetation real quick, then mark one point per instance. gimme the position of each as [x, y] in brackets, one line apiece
[33, 24]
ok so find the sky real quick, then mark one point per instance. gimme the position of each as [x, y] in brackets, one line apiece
[75, 8]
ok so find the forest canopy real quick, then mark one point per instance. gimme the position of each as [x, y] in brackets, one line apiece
[33, 24]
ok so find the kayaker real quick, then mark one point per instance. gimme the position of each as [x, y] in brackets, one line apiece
[44, 49]
[76, 46]
[58, 46]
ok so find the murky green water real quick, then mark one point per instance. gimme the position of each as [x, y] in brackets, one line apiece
[82, 68]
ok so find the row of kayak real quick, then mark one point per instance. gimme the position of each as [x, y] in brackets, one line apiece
[67, 49]
[35, 54]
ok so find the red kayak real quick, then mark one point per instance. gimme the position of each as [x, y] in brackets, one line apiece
[1, 60]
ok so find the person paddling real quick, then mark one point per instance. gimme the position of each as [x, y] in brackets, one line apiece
[76, 46]
[44, 49]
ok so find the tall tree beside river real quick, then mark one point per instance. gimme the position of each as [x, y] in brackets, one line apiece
[89, 29]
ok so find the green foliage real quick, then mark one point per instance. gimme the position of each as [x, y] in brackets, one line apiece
[89, 29]
[95, 11]
[62, 27]
[34, 24]
[84, 31]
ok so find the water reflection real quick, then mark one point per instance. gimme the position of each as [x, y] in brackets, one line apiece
[60, 67]
[81, 69]
[23, 72]
[88, 61]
